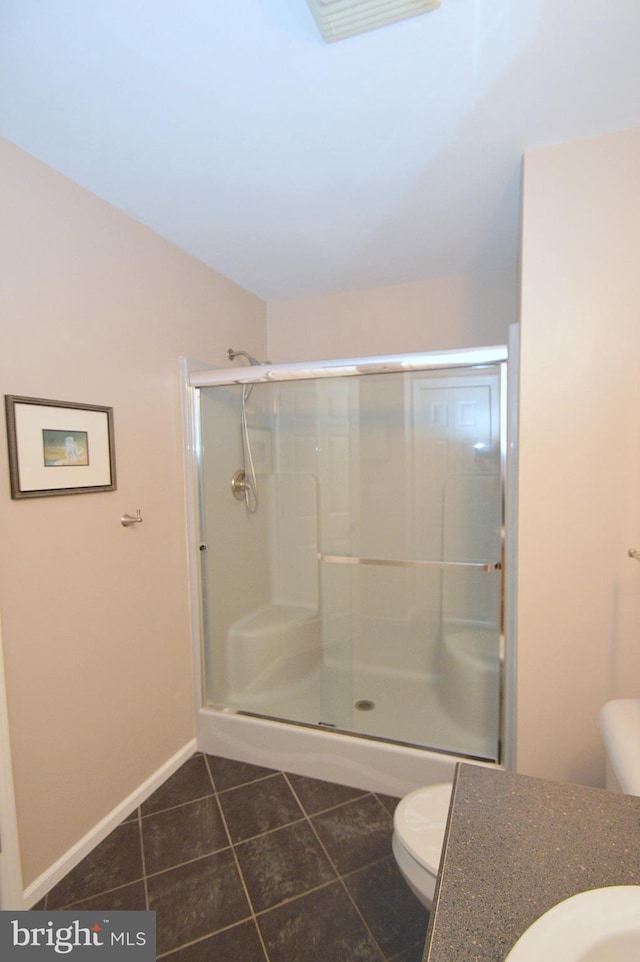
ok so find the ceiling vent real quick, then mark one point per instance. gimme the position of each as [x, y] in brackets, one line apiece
[337, 19]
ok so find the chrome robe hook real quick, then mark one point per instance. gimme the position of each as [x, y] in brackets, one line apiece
[127, 520]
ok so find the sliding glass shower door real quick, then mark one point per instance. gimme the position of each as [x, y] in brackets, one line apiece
[352, 576]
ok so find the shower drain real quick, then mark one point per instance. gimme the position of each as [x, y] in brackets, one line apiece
[365, 704]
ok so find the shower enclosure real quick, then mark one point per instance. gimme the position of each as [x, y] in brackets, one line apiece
[351, 528]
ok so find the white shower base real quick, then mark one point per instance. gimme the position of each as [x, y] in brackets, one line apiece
[408, 708]
[318, 753]
[279, 672]
[277, 668]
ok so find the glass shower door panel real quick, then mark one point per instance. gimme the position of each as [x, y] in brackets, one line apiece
[457, 465]
[271, 653]
[338, 628]
[234, 565]
[405, 674]
[418, 625]
[362, 593]
[458, 520]
[470, 660]
[259, 572]
[339, 516]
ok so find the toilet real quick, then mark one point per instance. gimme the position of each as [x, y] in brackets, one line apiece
[420, 818]
[619, 724]
[419, 824]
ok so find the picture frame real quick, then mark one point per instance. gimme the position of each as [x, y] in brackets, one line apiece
[59, 447]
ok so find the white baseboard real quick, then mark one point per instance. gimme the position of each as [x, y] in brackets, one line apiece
[45, 882]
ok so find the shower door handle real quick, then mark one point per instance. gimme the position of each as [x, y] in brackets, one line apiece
[340, 559]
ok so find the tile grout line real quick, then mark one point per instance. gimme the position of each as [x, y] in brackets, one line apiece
[144, 862]
[116, 888]
[252, 781]
[305, 818]
[237, 864]
[335, 867]
[254, 915]
[203, 938]
[172, 808]
[269, 831]
[140, 817]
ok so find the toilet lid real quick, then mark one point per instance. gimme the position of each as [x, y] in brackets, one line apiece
[420, 820]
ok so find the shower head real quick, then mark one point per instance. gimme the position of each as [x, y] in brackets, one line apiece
[232, 355]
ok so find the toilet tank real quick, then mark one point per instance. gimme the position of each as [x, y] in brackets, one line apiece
[619, 724]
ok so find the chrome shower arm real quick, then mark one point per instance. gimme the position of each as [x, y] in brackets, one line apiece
[232, 355]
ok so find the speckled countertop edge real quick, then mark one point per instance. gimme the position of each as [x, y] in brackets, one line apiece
[515, 846]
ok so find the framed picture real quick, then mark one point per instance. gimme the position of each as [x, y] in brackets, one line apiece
[58, 447]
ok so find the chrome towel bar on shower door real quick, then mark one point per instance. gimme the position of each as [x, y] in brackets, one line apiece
[341, 559]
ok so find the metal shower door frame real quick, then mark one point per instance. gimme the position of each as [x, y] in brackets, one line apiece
[196, 375]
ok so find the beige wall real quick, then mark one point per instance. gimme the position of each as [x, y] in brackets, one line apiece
[97, 309]
[579, 593]
[437, 315]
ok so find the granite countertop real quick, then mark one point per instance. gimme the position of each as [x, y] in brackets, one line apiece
[514, 847]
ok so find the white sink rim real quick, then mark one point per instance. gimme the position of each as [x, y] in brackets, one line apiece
[572, 929]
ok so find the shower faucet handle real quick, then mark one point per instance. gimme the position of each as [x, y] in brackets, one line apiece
[240, 485]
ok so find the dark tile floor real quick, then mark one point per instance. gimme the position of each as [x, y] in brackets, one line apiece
[246, 864]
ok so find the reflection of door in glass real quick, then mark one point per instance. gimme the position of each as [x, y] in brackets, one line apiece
[457, 483]
[456, 426]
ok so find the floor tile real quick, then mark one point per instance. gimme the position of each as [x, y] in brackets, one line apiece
[413, 953]
[355, 834]
[259, 807]
[183, 833]
[315, 795]
[238, 944]
[394, 915]
[322, 925]
[390, 802]
[179, 839]
[191, 781]
[196, 899]
[228, 773]
[283, 864]
[114, 862]
[127, 898]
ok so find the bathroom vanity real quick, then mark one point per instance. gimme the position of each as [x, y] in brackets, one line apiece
[514, 847]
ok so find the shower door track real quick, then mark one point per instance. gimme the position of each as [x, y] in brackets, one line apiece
[350, 367]
[339, 559]
[364, 736]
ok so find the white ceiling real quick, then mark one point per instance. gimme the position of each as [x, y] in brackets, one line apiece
[297, 167]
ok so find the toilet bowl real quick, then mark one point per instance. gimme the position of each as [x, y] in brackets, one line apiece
[419, 824]
[619, 724]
